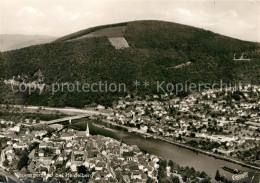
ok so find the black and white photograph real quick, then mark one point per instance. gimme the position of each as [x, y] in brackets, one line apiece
[130, 91]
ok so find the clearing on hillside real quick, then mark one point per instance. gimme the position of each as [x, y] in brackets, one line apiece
[107, 32]
[119, 42]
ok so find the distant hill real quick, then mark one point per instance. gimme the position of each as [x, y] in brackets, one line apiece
[17, 41]
[146, 50]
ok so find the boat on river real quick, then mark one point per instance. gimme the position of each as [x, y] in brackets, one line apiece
[231, 170]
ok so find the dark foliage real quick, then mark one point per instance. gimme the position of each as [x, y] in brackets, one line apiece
[155, 49]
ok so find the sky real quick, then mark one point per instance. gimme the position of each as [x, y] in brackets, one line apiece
[235, 18]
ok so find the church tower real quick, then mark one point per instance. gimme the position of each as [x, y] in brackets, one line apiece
[72, 156]
[121, 149]
[87, 131]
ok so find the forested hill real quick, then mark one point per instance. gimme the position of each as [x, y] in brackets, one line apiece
[158, 51]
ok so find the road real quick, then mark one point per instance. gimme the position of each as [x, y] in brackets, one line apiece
[69, 111]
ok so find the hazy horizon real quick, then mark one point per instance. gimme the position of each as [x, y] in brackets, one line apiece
[236, 19]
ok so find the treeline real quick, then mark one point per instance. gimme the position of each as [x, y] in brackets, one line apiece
[168, 173]
[155, 49]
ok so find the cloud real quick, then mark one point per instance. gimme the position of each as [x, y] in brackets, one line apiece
[233, 18]
[184, 12]
[29, 11]
[65, 15]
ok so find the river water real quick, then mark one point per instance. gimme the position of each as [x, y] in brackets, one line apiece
[182, 156]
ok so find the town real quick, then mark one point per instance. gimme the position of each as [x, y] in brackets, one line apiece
[220, 122]
[224, 122]
[40, 154]
[43, 154]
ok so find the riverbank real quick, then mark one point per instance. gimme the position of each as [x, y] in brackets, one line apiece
[148, 136]
[229, 159]
[167, 151]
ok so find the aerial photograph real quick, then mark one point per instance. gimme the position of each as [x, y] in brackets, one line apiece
[130, 91]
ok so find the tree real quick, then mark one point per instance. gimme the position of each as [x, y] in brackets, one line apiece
[179, 137]
[171, 164]
[6, 163]
[175, 179]
[2, 178]
[82, 170]
[203, 174]
[147, 112]
[150, 180]
[23, 162]
[217, 176]
[206, 180]
[236, 97]
[30, 120]
[23, 119]
[162, 170]
[37, 120]
[33, 146]
[163, 163]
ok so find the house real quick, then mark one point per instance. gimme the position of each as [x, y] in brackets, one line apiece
[45, 145]
[62, 157]
[15, 129]
[74, 165]
[78, 156]
[144, 128]
[97, 177]
[100, 107]
[39, 133]
[20, 146]
[41, 153]
[46, 139]
[129, 156]
[126, 179]
[10, 156]
[136, 175]
[58, 151]
[223, 151]
[47, 161]
[67, 136]
[80, 134]
[100, 165]
[9, 149]
[9, 142]
[69, 145]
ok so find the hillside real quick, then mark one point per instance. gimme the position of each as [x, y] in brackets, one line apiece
[158, 51]
[17, 41]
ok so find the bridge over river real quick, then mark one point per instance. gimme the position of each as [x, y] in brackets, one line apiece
[55, 121]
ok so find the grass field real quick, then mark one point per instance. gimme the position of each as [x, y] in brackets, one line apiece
[107, 32]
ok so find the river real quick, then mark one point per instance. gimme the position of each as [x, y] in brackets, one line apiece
[182, 156]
